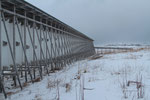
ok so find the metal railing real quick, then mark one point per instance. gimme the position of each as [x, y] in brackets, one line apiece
[107, 50]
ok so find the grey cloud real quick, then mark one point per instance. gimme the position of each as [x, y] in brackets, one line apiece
[106, 21]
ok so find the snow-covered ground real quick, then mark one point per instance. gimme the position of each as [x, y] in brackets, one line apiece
[105, 78]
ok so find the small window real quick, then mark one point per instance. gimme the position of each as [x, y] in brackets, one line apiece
[35, 46]
[17, 43]
[57, 31]
[4, 43]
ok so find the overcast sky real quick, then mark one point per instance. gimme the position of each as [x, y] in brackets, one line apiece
[105, 21]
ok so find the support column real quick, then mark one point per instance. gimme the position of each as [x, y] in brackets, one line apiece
[1, 76]
[23, 47]
[40, 41]
[59, 49]
[25, 60]
[50, 35]
[0, 41]
[11, 50]
[14, 44]
[34, 52]
[62, 49]
[65, 49]
[41, 51]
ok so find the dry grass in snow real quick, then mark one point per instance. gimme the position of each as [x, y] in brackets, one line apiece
[122, 76]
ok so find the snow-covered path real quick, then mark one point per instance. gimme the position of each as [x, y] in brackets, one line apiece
[103, 79]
